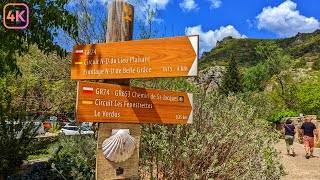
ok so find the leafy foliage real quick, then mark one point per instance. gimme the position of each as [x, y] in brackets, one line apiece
[45, 82]
[213, 146]
[279, 114]
[40, 171]
[43, 87]
[255, 77]
[70, 158]
[301, 96]
[173, 84]
[261, 101]
[316, 64]
[285, 90]
[74, 157]
[40, 147]
[274, 57]
[308, 96]
[276, 63]
[301, 63]
[16, 134]
[46, 17]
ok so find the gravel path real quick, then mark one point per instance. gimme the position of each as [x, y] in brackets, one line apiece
[299, 168]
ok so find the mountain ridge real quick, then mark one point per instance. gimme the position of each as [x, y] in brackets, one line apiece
[303, 46]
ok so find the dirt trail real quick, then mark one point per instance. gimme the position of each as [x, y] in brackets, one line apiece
[299, 168]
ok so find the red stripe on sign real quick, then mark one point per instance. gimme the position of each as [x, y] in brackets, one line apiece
[79, 52]
[87, 92]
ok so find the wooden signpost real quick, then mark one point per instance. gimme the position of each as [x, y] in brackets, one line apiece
[98, 102]
[116, 62]
[120, 28]
[166, 57]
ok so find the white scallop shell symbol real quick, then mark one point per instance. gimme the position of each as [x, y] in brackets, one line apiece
[120, 146]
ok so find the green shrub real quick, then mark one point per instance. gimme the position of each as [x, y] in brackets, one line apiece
[74, 157]
[308, 96]
[255, 77]
[316, 64]
[261, 102]
[301, 63]
[39, 147]
[15, 141]
[279, 114]
[16, 134]
[227, 140]
[40, 171]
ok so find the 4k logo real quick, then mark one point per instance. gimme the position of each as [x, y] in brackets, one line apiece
[16, 16]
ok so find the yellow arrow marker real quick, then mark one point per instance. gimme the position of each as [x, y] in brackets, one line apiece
[128, 18]
[87, 102]
[128, 13]
[78, 63]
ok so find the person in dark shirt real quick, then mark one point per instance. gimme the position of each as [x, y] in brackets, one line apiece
[308, 130]
[289, 131]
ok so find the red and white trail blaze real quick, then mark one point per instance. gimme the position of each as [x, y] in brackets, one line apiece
[79, 52]
[87, 90]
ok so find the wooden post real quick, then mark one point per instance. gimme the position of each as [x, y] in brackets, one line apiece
[120, 28]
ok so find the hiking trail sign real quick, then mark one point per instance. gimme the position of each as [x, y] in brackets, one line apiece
[165, 57]
[123, 107]
[97, 102]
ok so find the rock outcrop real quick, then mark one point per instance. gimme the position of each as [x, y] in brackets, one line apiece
[209, 79]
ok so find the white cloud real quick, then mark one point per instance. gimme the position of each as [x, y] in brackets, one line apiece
[104, 1]
[188, 5]
[159, 4]
[215, 4]
[285, 20]
[209, 39]
[143, 6]
[250, 23]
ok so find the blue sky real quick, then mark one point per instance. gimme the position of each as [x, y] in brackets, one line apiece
[240, 14]
[215, 19]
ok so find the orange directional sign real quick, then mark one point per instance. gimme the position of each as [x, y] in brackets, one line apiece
[166, 57]
[97, 102]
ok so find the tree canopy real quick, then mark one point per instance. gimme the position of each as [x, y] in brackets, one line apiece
[46, 19]
[46, 81]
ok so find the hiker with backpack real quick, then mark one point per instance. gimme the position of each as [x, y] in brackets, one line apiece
[289, 131]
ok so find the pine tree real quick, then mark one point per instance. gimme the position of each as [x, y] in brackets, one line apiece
[232, 80]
